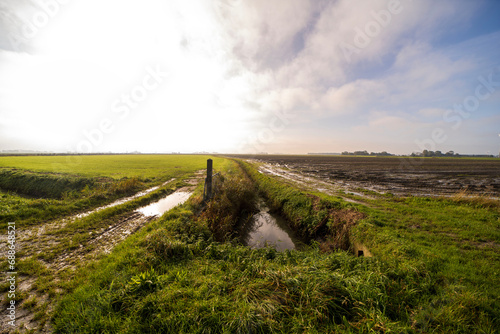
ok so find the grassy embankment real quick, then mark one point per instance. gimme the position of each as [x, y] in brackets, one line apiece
[174, 277]
[35, 189]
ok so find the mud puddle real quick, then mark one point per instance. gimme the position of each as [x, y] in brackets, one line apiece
[268, 229]
[123, 200]
[165, 204]
[282, 173]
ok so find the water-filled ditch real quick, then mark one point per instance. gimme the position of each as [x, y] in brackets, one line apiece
[266, 228]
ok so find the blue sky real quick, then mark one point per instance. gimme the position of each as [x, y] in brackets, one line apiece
[292, 76]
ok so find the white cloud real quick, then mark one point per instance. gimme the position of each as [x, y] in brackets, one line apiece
[262, 33]
[420, 64]
[353, 97]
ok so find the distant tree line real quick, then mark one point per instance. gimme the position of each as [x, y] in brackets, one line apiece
[424, 153]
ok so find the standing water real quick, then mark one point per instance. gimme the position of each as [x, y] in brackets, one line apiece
[268, 229]
[165, 204]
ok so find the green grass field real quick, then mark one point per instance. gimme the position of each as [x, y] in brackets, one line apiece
[434, 268]
[35, 189]
[113, 166]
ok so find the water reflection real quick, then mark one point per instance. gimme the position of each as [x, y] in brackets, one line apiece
[165, 204]
[267, 229]
[122, 200]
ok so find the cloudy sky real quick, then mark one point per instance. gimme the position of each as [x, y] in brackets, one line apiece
[281, 76]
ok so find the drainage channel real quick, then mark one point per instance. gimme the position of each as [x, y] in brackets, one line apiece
[268, 229]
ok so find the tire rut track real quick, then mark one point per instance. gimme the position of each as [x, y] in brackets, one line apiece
[312, 183]
[102, 243]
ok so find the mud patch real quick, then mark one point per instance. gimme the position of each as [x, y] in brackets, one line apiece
[101, 242]
[105, 240]
[41, 235]
[485, 244]
[399, 176]
[313, 183]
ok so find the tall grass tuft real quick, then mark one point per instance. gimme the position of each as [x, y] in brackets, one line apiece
[234, 199]
[126, 186]
[466, 197]
[160, 245]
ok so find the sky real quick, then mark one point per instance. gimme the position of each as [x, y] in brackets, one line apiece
[236, 76]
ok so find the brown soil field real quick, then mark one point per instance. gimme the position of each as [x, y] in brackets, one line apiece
[396, 175]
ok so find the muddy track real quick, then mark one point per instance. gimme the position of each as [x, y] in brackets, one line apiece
[311, 183]
[43, 239]
[101, 242]
[43, 235]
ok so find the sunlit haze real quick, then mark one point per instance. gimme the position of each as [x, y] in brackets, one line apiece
[281, 76]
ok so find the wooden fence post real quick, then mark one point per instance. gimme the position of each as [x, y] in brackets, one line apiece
[208, 180]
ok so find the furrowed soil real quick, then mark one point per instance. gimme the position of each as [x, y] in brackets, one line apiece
[397, 175]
